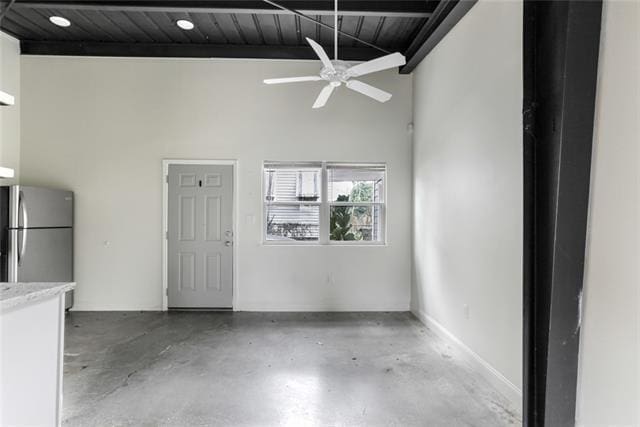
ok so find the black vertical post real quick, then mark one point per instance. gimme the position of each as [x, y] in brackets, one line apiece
[561, 45]
[529, 382]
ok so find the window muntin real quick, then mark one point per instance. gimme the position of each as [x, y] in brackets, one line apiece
[324, 203]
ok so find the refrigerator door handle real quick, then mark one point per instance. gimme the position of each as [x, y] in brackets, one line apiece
[23, 245]
[13, 256]
[22, 207]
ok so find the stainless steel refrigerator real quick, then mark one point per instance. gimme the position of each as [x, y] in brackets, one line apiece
[36, 243]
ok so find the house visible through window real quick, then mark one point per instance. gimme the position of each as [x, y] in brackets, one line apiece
[324, 202]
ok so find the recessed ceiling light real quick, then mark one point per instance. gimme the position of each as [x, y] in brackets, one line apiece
[60, 21]
[184, 24]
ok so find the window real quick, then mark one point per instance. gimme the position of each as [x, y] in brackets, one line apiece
[356, 202]
[324, 203]
[292, 201]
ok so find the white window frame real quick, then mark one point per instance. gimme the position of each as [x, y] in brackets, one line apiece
[325, 207]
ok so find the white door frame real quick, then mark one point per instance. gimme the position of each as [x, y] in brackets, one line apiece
[165, 222]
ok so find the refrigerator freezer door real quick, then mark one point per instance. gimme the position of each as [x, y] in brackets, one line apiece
[44, 255]
[36, 207]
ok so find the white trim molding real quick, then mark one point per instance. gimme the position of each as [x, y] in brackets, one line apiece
[165, 223]
[484, 368]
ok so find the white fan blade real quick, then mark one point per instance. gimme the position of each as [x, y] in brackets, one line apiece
[323, 97]
[378, 64]
[293, 80]
[370, 91]
[321, 54]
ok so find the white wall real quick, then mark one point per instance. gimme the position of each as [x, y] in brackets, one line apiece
[101, 126]
[468, 187]
[10, 116]
[609, 375]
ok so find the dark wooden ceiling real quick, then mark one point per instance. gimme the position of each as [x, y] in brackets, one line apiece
[231, 28]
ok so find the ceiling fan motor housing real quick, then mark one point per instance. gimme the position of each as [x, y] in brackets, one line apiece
[338, 75]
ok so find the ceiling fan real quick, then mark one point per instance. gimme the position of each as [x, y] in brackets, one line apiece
[338, 72]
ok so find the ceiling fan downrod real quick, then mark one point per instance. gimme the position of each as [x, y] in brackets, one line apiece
[335, 30]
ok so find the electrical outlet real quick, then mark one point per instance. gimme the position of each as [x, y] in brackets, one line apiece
[467, 311]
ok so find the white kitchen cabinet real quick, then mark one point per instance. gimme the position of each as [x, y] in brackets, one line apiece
[32, 336]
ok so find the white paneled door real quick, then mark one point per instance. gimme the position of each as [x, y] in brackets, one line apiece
[200, 236]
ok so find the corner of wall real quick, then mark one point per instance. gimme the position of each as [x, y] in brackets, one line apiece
[479, 365]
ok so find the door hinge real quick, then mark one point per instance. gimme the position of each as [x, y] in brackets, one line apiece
[166, 235]
[166, 291]
[166, 178]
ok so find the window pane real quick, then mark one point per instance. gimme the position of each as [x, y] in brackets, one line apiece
[356, 223]
[292, 184]
[356, 183]
[293, 222]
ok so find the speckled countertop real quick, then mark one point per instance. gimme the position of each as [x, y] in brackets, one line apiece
[16, 294]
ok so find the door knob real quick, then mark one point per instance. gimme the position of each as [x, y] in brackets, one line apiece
[228, 243]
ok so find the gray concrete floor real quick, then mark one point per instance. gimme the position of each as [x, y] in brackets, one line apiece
[269, 369]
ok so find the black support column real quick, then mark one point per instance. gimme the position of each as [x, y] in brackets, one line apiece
[561, 44]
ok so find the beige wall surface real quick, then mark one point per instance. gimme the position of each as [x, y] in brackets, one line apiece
[468, 186]
[101, 127]
[609, 375]
[10, 116]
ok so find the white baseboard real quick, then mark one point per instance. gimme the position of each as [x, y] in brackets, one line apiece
[484, 368]
[93, 306]
[400, 306]
[320, 307]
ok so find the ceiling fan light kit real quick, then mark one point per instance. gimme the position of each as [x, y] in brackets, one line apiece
[336, 72]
